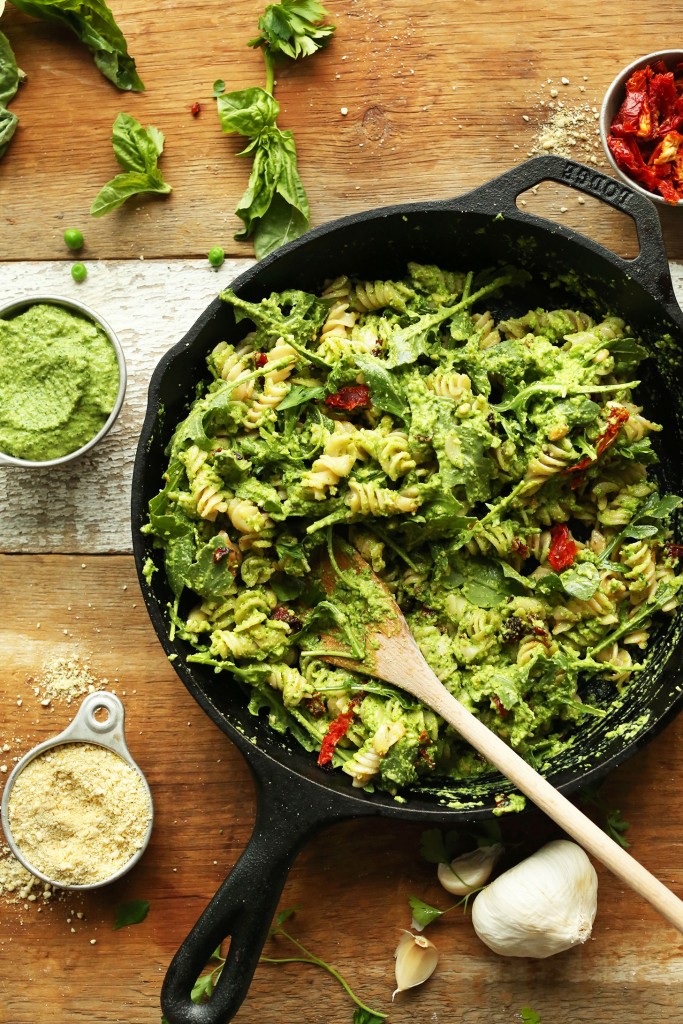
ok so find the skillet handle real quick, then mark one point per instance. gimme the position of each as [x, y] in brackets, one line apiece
[499, 195]
[289, 811]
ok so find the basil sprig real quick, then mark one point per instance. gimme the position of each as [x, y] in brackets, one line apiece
[137, 150]
[95, 26]
[274, 207]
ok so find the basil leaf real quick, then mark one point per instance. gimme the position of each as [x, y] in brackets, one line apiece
[274, 174]
[247, 111]
[132, 912]
[292, 28]
[94, 24]
[8, 126]
[135, 148]
[299, 395]
[123, 186]
[9, 72]
[386, 392]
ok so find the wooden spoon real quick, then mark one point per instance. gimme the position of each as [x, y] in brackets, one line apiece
[393, 655]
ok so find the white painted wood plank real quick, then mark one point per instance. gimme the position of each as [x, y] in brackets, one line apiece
[84, 506]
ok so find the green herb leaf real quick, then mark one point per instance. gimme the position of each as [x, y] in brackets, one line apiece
[299, 395]
[627, 353]
[137, 150]
[423, 913]
[386, 392]
[247, 112]
[132, 912]
[94, 24]
[292, 28]
[9, 72]
[616, 826]
[529, 1016]
[582, 581]
[362, 1016]
[274, 207]
[438, 847]
[284, 915]
[8, 126]
[218, 87]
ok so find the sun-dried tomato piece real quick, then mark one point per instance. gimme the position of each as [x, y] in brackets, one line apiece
[337, 730]
[353, 396]
[562, 548]
[282, 614]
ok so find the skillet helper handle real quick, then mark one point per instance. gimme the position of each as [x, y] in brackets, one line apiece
[244, 906]
[500, 195]
[556, 806]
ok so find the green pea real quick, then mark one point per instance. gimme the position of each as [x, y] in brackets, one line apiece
[216, 256]
[73, 238]
[79, 272]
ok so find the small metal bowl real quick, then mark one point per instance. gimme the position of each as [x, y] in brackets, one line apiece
[614, 97]
[86, 728]
[19, 306]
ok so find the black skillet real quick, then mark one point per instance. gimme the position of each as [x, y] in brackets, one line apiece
[296, 798]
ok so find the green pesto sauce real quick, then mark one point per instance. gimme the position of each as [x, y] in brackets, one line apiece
[59, 379]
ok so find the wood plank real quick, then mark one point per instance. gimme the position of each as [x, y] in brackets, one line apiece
[436, 96]
[352, 882]
[150, 305]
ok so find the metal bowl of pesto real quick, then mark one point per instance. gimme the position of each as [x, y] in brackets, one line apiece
[62, 380]
[481, 229]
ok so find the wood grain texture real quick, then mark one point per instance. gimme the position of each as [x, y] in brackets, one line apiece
[436, 96]
[352, 881]
[85, 506]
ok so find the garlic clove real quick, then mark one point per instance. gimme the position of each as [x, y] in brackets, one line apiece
[542, 906]
[470, 871]
[416, 960]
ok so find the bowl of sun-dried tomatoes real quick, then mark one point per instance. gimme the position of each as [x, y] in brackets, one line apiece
[641, 125]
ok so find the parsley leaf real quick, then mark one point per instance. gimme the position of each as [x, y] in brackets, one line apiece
[292, 28]
[137, 150]
[132, 912]
[362, 1016]
[95, 26]
[423, 913]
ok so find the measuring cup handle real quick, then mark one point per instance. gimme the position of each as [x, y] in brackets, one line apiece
[289, 812]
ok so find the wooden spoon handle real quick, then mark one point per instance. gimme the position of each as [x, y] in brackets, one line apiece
[556, 806]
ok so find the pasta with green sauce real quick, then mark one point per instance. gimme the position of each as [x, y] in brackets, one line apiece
[493, 474]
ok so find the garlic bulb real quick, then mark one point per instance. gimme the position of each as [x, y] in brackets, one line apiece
[543, 905]
[416, 959]
[470, 871]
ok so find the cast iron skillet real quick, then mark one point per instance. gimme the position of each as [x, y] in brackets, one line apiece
[295, 797]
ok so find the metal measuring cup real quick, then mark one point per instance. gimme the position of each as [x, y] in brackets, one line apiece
[105, 732]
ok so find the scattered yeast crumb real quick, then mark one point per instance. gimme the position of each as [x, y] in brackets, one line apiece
[63, 679]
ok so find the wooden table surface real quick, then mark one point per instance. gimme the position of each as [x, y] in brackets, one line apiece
[436, 98]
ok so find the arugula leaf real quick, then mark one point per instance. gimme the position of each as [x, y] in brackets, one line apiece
[483, 581]
[247, 112]
[210, 575]
[132, 912]
[94, 24]
[292, 28]
[137, 150]
[287, 588]
[423, 913]
[582, 581]
[274, 207]
[386, 392]
[627, 353]
[299, 395]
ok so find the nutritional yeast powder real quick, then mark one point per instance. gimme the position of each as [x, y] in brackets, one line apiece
[79, 813]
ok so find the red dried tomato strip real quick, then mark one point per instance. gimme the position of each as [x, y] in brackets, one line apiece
[260, 358]
[353, 396]
[500, 707]
[615, 420]
[674, 550]
[337, 730]
[562, 548]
